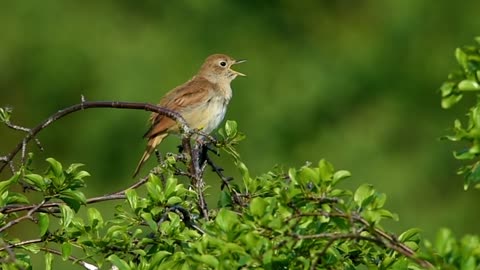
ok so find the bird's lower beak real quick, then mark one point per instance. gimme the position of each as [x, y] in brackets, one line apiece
[238, 62]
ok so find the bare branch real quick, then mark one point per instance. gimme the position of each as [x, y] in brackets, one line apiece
[29, 215]
[23, 243]
[197, 173]
[71, 258]
[119, 195]
[89, 105]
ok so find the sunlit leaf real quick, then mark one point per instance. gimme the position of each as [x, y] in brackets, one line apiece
[43, 223]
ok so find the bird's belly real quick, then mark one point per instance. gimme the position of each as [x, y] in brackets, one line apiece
[207, 116]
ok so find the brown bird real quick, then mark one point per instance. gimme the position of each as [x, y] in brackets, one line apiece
[202, 101]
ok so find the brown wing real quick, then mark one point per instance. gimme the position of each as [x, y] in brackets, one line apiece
[181, 97]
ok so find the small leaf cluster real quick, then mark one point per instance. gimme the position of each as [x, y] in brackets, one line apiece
[56, 186]
[5, 114]
[448, 252]
[466, 79]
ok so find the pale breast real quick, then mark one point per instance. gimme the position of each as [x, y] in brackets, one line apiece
[218, 108]
[208, 115]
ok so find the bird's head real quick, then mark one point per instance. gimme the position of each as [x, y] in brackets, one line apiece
[217, 68]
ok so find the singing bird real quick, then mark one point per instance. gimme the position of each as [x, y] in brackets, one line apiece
[202, 101]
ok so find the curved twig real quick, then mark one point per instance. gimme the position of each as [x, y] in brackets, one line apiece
[86, 265]
[89, 105]
[29, 215]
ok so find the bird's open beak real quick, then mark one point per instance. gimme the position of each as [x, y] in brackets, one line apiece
[238, 62]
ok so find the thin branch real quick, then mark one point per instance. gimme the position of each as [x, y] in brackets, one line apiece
[119, 195]
[71, 258]
[29, 215]
[109, 197]
[134, 186]
[334, 236]
[5, 160]
[197, 172]
[160, 161]
[89, 105]
[24, 129]
[23, 243]
[380, 237]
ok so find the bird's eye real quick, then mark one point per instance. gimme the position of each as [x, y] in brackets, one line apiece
[223, 63]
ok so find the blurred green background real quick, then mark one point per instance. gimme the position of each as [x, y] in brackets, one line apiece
[354, 82]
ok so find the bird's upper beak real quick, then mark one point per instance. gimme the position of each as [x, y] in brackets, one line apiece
[238, 62]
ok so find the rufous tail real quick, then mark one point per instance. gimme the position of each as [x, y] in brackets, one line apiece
[152, 143]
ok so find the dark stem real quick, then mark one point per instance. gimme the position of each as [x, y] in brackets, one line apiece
[119, 195]
[196, 172]
[89, 105]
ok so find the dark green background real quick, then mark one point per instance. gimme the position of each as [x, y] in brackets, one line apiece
[354, 82]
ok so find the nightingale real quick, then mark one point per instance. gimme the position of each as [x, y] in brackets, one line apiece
[202, 101]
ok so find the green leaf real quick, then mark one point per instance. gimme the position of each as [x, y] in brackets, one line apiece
[226, 219]
[132, 198]
[43, 223]
[81, 174]
[447, 88]
[410, 235]
[66, 250]
[32, 248]
[387, 214]
[158, 257]
[74, 198]
[121, 264]
[75, 195]
[4, 185]
[207, 259]
[307, 175]
[5, 114]
[170, 186]
[67, 215]
[468, 85]
[56, 167]
[245, 175]
[14, 197]
[154, 191]
[174, 200]
[461, 58]
[225, 199]
[326, 170]
[73, 167]
[231, 128]
[24, 259]
[36, 180]
[48, 261]
[340, 175]
[258, 206]
[95, 218]
[362, 193]
[149, 220]
[445, 242]
[449, 101]
[473, 176]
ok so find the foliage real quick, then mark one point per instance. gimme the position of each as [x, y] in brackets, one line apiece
[460, 82]
[286, 219]
[448, 252]
[296, 218]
